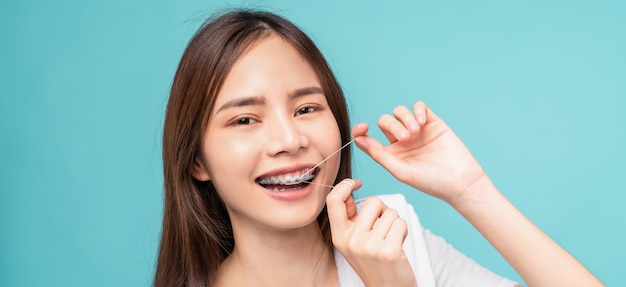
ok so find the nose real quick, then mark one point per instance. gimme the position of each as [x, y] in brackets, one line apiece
[285, 136]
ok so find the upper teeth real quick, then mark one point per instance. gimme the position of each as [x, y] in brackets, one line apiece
[287, 180]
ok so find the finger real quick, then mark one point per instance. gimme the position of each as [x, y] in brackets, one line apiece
[384, 223]
[423, 113]
[392, 128]
[407, 118]
[371, 211]
[360, 129]
[336, 203]
[420, 108]
[350, 204]
[382, 121]
[397, 232]
[378, 153]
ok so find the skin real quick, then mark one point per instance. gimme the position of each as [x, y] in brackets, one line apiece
[424, 153]
[373, 250]
[268, 118]
[278, 242]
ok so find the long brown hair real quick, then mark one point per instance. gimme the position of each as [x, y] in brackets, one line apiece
[197, 235]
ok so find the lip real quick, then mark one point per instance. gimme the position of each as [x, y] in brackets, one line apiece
[288, 195]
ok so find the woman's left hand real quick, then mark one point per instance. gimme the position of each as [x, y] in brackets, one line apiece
[371, 241]
[423, 152]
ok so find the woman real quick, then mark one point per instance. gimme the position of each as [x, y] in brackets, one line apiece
[254, 190]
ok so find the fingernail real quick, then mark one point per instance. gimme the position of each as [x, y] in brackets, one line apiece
[349, 181]
[421, 119]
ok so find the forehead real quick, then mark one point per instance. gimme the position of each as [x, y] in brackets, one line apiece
[272, 66]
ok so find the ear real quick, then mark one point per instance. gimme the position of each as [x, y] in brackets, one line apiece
[200, 172]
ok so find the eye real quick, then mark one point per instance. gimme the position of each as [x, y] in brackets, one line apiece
[243, 121]
[306, 110]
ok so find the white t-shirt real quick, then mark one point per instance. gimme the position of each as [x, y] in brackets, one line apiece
[434, 262]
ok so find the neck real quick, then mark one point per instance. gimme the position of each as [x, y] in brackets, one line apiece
[293, 257]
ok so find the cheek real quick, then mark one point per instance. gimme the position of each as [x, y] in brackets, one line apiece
[242, 148]
[327, 138]
[337, 144]
[330, 133]
[230, 157]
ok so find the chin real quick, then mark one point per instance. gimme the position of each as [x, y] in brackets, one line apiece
[295, 219]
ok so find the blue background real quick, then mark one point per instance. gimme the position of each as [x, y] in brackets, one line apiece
[536, 89]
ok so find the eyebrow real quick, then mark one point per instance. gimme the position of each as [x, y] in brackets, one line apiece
[305, 92]
[259, 100]
[241, 102]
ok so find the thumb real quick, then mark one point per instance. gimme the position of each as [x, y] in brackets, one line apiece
[340, 204]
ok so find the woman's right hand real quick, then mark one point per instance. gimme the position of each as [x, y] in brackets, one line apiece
[371, 241]
[423, 152]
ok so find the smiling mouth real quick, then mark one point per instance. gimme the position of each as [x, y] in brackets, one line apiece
[288, 182]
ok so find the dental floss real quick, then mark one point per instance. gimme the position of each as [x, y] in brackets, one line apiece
[321, 162]
[325, 185]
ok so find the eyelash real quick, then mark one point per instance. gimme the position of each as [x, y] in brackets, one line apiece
[245, 121]
[309, 109]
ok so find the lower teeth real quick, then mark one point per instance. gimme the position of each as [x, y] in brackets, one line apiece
[278, 188]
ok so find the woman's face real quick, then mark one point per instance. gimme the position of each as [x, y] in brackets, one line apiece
[270, 125]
